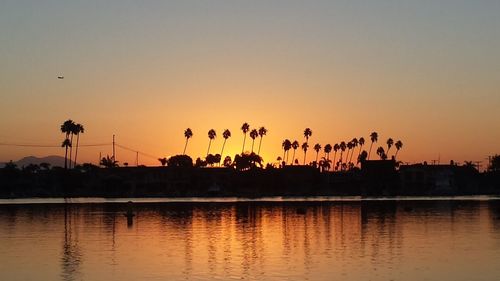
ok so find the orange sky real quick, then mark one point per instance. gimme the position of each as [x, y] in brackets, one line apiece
[410, 71]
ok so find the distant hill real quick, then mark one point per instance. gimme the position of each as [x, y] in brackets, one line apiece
[53, 160]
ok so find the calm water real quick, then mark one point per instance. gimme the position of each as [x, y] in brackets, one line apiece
[252, 240]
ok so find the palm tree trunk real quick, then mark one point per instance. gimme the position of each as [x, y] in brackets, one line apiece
[260, 144]
[359, 153]
[70, 150]
[370, 151]
[305, 152]
[185, 146]
[209, 143]
[253, 142]
[244, 139]
[387, 153]
[396, 155]
[287, 156]
[284, 152]
[334, 157]
[317, 154]
[66, 158]
[222, 151]
[76, 151]
[293, 157]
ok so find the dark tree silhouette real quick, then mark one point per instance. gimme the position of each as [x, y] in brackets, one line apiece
[361, 142]
[253, 134]
[305, 146]
[342, 147]
[78, 130]
[354, 144]
[187, 134]
[180, 161]
[362, 156]
[247, 161]
[494, 165]
[287, 145]
[226, 134]
[390, 142]
[67, 128]
[398, 145]
[373, 138]
[317, 148]
[262, 133]
[109, 162]
[336, 148]
[244, 128]
[163, 161]
[295, 145]
[307, 134]
[211, 135]
[227, 161]
[381, 153]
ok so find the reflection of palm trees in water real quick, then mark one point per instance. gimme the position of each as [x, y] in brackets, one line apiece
[71, 257]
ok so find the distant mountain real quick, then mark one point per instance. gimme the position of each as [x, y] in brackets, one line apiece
[53, 160]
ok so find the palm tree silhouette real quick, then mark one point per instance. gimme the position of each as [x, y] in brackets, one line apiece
[211, 135]
[354, 143]
[390, 142]
[373, 138]
[307, 134]
[349, 148]
[317, 147]
[305, 146]
[295, 145]
[342, 149]
[79, 130]
[336, 148]
[187, 134]
[226, 134]
[262, 133]
[361, 142]
[327, 149]
[398, 145]
[287, 145]
[66, 128]
[245, 127]
[381, 153]
[253, 134]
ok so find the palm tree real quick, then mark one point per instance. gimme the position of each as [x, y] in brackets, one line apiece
[262, 132]
[226, 134]
[390, 142]
[398, 145]
[373, 138]
[187, 134]
[245, 127]
[305, 146]
[307, 134]
[317, 147]
[287, 145]
[211, 135]
[381, 153]
[336, 148]
[354, 142]
[66, 143]
[79, 129]
[361, 142]
[342, 147]
[349, 148]
[327, 149]
[295, 145]
[66, 128]
[253, 134]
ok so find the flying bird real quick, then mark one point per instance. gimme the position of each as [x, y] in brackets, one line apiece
[60, 77]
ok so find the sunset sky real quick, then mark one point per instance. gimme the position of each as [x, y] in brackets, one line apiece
[425, 72]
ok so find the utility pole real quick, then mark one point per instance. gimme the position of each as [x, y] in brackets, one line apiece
[114, 155]
[137, 158]
[100, 157]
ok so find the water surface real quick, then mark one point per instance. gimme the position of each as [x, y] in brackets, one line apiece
[235, 239]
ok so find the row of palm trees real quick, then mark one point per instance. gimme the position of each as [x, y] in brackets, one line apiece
[245, 128]
[350, 146]
[70, 129]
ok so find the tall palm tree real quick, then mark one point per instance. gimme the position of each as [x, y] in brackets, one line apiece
[305, 146]
[317, 147]
[79, 130]
[262, 132]
[381, 153]
[244, 128]
[187, 134]
[295, 145]
[361, 142]
[307, 134]
[287, 145]
[327, 150]
[73, 131]
[226, 134]
[66, 143]
[211, 135]
[66, 128]
[253, 135]
[398, 145]
[390, 142]
[342, 147]
[336, 148]
[354, 142]
[373, 138]
[349, 149]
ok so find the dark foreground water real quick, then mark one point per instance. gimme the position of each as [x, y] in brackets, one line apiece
[253, 240]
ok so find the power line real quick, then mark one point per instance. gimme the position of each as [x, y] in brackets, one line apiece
[49, 145]
[136, 151]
